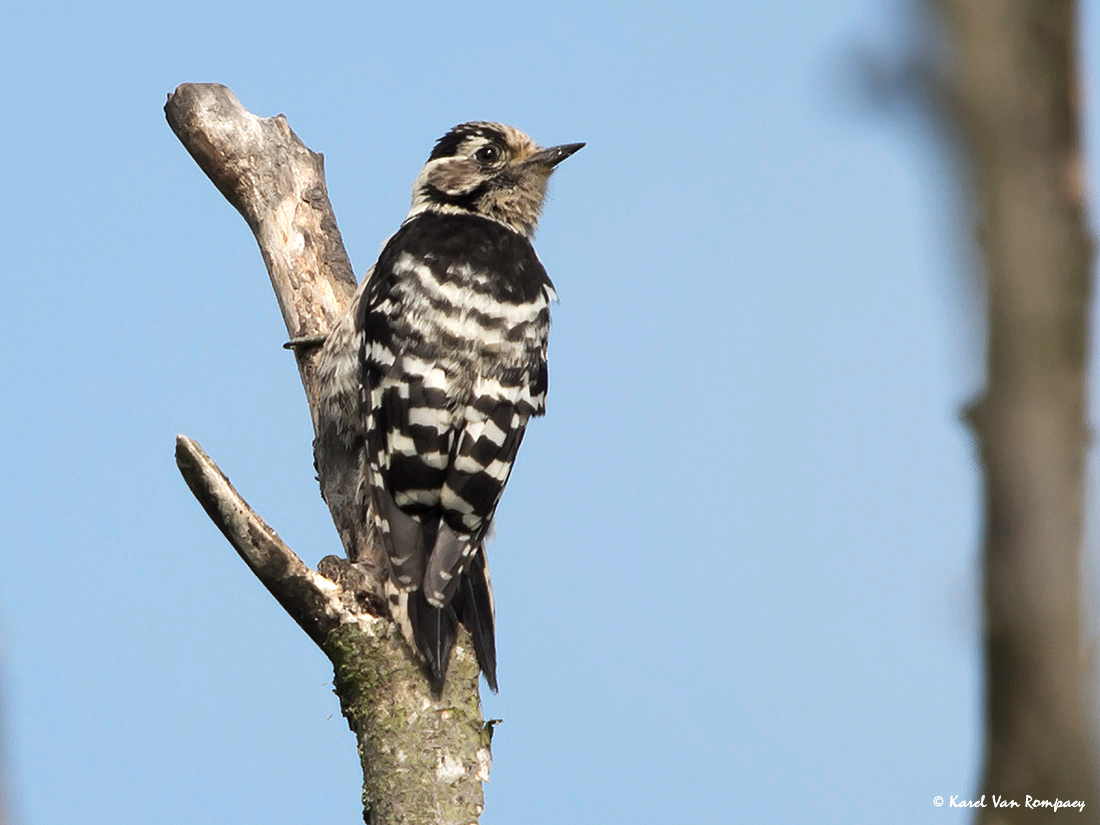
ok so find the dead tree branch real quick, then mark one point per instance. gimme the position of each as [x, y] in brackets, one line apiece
[311, 599]
[1014, 80]
[278, 186]
[423, 757]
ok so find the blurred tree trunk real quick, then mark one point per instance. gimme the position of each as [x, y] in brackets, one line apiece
[1013, 93]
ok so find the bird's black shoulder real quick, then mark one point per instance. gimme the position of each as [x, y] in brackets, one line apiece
[503, 262]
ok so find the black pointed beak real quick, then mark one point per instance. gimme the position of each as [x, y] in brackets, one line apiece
[549, 158]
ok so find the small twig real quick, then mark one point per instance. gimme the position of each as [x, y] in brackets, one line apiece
[305, 342]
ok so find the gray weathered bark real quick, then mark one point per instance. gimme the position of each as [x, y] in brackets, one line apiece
[1013, 87]
[423, 757]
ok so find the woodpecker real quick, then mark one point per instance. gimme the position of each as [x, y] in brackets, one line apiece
[429, 379]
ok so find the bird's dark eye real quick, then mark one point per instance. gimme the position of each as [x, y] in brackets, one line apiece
[489, 153]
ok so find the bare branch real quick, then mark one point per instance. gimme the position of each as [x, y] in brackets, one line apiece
[278, 186]
[311, 599]
[424, 757]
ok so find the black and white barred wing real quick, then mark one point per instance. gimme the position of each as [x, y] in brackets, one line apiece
[453, 332]
[484, 448]
[438, 469]
[408, 453]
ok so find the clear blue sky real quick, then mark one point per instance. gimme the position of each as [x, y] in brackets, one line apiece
[736, 564]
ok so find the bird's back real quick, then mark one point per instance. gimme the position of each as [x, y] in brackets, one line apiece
[435, 372]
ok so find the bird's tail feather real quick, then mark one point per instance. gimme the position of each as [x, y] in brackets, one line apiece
[434, 631]
[474, 605]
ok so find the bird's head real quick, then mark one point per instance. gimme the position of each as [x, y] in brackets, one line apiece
[489, 169]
